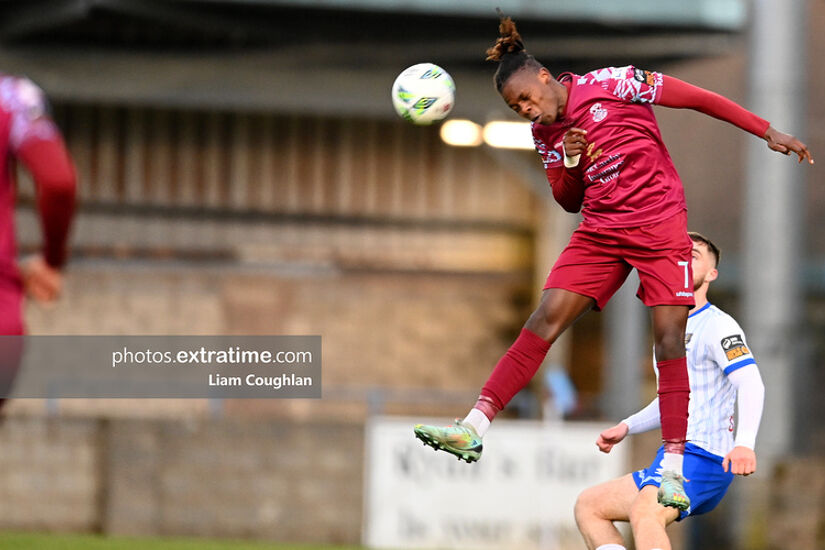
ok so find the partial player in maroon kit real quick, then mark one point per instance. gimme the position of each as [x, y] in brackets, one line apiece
[28, 135]
[604, 155]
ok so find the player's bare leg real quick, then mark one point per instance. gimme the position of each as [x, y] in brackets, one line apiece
[669, 324]
[599, 506]
[648, 519]
[674, 394]
[557, 310]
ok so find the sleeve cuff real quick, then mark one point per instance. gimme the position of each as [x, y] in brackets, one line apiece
[745, 439]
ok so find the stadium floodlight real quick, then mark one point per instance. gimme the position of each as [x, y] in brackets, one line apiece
[461, 133]
[508, 135]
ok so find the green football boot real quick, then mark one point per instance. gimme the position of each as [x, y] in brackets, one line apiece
[460, 440]
[672, 491]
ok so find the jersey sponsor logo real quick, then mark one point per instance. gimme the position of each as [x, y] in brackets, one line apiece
[682, 294]
[646, 77]
[605, 170]
[734, 346]
[599, 113]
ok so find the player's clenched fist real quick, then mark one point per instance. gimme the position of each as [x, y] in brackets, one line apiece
[740, 461]
[575, 142]
[611, 436]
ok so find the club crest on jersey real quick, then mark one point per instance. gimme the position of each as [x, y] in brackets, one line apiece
[599, 113]
[734, 346]
[688, 336]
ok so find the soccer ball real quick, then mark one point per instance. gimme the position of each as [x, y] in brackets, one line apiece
[423, 93]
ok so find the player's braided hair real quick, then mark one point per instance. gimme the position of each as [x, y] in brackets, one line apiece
[509, 52]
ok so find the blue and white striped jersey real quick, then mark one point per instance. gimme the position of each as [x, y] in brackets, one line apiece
[716, 346]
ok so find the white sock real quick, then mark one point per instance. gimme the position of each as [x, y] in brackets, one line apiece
[673, 462]
[477, 420]
[611, 546]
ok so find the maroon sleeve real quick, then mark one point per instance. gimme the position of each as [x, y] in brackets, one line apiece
[681, 95]
[54, 177]
[567, 186]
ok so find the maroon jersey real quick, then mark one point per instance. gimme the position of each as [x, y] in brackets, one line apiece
[28, 134]
[626, 177]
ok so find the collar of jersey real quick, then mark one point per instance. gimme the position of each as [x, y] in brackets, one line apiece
[700, 310]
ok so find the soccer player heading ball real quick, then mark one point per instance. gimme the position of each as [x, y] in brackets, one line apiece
[604, 156]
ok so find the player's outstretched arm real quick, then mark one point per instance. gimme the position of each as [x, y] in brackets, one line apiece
[679, 94]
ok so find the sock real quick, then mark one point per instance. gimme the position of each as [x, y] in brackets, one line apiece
[478, 420]
[673, 462]
[674, 396]
[513, 371]
[611, 546]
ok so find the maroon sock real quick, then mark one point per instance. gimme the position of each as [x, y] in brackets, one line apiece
[513, 372]
[674, 395]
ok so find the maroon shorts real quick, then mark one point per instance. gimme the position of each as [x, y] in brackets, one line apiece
[597, 261]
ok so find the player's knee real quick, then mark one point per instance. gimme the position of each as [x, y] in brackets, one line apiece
[645, 510]
[585, 506]
[670, 344]
[640, 509]
[545, 324]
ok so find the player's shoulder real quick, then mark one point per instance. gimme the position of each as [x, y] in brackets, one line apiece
[721, 324]
[20, 93]
[546, 139]
[547, 134]
[599, 77]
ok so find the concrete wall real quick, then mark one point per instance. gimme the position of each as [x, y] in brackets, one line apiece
[285, 481]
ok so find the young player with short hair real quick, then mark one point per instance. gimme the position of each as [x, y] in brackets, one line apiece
[604, 155]
[722, 369]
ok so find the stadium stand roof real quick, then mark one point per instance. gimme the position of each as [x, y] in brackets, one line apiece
[181, 48]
